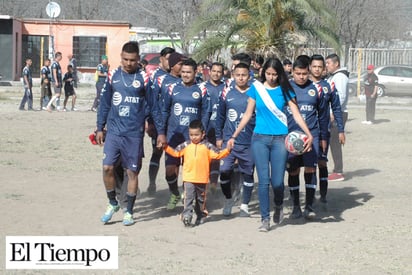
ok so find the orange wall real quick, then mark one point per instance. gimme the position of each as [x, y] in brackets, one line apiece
[117, 34]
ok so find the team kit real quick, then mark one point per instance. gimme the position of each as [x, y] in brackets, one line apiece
[221, 127]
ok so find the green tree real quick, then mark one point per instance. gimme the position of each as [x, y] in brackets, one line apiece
[262, 26]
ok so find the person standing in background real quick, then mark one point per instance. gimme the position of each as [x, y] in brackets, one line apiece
[371, 93]
[56, 71]
[45, 89]
[101, 73]
[73, 63]
[338, 79]
[28, 84]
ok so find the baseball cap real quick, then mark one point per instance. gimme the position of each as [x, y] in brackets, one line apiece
[104, 57]
[370, 67]
[175, 58]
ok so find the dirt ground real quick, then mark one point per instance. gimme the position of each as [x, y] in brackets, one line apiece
[51, 184]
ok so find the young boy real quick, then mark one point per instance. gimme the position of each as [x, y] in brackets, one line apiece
[68, 80]
[197, 154]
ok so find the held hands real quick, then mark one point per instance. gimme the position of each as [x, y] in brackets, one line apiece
[161, 141]
[230, 143]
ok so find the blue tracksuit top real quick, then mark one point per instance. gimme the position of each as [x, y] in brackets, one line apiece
[214, 93]
[122, 103]
[181, 105]
[312, 109]
[232, 106]
[331, 100]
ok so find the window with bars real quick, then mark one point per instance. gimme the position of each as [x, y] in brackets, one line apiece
[88, 50]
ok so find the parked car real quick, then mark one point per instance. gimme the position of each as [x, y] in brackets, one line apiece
[393, 80]
[153, 60]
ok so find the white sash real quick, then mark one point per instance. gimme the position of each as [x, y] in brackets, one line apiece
[267, 100]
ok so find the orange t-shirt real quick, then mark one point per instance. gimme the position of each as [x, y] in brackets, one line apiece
[197, 157]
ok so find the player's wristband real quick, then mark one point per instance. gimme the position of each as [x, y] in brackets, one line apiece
[233, 137]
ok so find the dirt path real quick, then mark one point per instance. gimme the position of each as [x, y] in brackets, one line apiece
[51, 185]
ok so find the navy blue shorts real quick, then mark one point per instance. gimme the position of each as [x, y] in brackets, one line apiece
[244, 157]
[308, 159]
[128, 149]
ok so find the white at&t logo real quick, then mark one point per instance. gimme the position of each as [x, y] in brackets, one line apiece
[178, 109]
[232, 115]
[117, 98]
[61, 252]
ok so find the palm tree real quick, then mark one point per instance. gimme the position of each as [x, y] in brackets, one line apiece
[264, 27]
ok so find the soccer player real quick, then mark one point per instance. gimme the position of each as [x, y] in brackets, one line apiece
[28, 84]
[332, 104]
[198, 153]
[45, 90]
[57, 81]
[122, 111]
[309, 101]
[153, 92]
[183, 102]
[338, 79]
[214, 87]
[101, 72]
[232, 105]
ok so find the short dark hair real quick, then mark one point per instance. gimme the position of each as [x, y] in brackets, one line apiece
[144, 62]
[335, 58]
[197, 124]
[57, 54]
[286, 62]
[190, 62]
[243, 58]
[317, 57]
[69, 66]
[301, 62]
[259, 60]
[242, 66]
[131, 47]
[219, 65]
[166, 51]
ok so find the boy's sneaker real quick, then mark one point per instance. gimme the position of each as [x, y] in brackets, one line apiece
[110, 210]
[173, 201]
[336, 177]
[128, 219]
[296, 212]
[309, 213]
[64, 110]
[244, 210]
[278, 215]
[227, 208]
[265, 227]
[187, 221]
[74, 109]
[151, 190]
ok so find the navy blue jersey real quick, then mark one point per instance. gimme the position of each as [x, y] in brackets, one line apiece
[122, 103]
[214, 93]
[181, 105]
[232, 106]
[331, 100]
[56, 66]
[45, 74]
[152, 98]
[27, 72]
[311, 107]
[104, 69]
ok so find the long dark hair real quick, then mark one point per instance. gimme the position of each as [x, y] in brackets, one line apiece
[282, 79]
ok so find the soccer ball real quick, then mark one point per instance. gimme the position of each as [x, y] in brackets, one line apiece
[295, 141]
